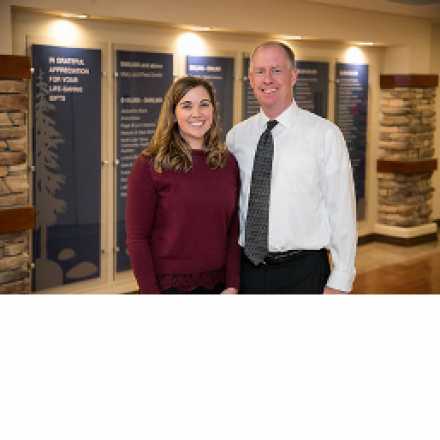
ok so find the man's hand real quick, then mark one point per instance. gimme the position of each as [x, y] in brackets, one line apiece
[331, 291]
[230, 291]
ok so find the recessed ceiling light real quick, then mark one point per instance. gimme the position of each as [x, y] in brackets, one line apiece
[78, 16]
[200, 28]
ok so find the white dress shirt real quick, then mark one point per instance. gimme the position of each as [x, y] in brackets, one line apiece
[312, 200]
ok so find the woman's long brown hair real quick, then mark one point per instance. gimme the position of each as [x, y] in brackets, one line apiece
[167, 148]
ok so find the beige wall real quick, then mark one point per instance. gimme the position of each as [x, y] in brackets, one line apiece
[413, 51]
[435, 68]
[284, 17]
[407, 39]
[34, 27]
[5, 28]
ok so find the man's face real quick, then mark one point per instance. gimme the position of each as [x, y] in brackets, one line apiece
[272, 79]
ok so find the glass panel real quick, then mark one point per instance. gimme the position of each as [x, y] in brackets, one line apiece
[67, 160]
[142, 81]
[351, 106]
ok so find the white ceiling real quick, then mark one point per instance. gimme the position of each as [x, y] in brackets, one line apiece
[413, 8]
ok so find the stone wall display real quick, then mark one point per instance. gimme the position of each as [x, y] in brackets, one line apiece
[407, 124]
[404, 200]
[14, 180]
[406, 150]
[14, 263]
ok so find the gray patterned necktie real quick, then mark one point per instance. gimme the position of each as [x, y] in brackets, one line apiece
[257, 220]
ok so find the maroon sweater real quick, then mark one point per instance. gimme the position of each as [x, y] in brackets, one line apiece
[182, 227]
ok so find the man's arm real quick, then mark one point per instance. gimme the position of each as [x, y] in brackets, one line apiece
[331, 291]
[340, 200]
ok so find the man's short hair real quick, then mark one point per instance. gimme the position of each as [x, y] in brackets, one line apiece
[273, 43]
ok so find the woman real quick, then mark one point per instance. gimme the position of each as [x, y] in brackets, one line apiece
[181, 218]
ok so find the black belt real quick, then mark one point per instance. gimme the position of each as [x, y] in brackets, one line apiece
[282, 257]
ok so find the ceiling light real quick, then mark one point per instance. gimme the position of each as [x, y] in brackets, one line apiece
[354, 55]
[64, 32]
[191, 43]
[78, 16]
[198, 28]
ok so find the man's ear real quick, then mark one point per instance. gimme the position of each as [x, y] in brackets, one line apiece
[251, 79]
[294, 78]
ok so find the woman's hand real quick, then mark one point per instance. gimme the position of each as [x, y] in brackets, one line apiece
[230, 291]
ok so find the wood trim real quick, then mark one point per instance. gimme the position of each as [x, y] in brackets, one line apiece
[406, 167]
[392, 81]
[15, 67]
[400, 241]
[365, 239]
[17, 219]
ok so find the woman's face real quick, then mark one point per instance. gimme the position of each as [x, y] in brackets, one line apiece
[194, 114]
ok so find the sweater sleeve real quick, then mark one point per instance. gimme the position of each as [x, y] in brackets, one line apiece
[139, 218]
[233, 249]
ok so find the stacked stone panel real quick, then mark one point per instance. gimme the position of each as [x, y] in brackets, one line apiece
[405, 200]
[14, 183]
[406, 135]
[407, 124]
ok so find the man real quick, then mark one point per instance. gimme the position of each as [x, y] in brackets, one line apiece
[297, 195]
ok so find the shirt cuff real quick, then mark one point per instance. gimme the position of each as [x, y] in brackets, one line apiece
[341, 280]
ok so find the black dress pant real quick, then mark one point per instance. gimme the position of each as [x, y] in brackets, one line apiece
[303, 273]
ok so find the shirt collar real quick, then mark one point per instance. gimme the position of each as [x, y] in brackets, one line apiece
[285, 118]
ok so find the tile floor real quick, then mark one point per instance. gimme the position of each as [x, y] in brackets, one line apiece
[385, 268]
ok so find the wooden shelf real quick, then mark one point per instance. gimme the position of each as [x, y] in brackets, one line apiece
[392, 81]
[15, 67]
[17, 219]
[407, 167]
